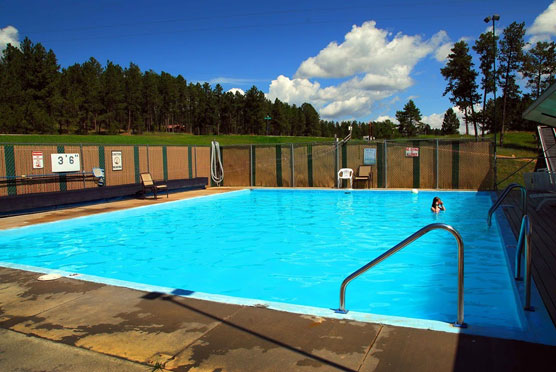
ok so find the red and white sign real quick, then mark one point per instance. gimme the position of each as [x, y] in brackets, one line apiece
[412, 152]
[38, 160]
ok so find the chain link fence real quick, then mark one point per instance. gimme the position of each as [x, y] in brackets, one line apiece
[428, 164]
[37, 168]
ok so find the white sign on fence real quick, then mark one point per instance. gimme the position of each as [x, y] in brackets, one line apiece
[369, 156]
[65, 163]
[116, 160]
[38, 162]
[412, 152]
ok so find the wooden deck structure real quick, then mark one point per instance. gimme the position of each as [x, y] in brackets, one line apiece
[543, 236]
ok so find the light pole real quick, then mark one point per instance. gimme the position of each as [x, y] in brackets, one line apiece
[493, 18]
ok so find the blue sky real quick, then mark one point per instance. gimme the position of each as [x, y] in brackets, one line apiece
[358, 60]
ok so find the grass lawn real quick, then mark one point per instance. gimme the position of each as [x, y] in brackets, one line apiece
[519, 155]
[156, 139]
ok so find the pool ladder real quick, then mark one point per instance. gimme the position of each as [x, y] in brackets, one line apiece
[524, 240]
[505, 193]
[459, 322]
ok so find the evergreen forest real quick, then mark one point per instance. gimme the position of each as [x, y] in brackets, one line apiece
[37, 96]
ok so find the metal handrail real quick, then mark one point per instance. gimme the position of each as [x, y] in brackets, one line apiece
[459, 322]
[506, 191]
[524, 239]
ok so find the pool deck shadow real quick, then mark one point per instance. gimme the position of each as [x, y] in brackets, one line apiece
[69, 324]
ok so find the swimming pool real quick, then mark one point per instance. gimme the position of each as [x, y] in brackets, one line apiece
[294, 247]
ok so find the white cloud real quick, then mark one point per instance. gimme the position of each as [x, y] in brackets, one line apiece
[496, 30]
[293, 91]
[545, 23]
[236, 90]
[9, 35]
[354, 106]
[386, 117]
[443, 51]
[434, 120]
[371, 63]
[368, 49]
[535, 39]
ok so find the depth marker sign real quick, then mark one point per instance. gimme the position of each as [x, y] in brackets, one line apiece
[65, 162]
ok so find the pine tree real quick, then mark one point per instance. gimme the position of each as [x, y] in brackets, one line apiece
[461, 82]
[409, 119]
[253, 111]
[151, 99]
[168, 93]
[133, 97]
[278, 123]
[539, 67]
[112, 96]
[30, 89]
[311, 120]
[511, 58]
[71, 108]
[12, 112]
[485, 48]
[91, 71]
[450, 124]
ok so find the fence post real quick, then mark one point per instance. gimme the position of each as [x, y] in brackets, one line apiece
[165, 163]
[279, 165]
[344, 155]
[82, 164]
[417, 166]
[310, 165]
[455, 165]
[148, 160]
[436, 158]
[189, 162]
[102, 163]
[62, 178]
[292, 160]
[211, 154]
[385, 157]
[136, 164]
[9, 157]
[252, 161]
[336, 163]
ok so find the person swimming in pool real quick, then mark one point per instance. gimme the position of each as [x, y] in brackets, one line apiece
[437, 205]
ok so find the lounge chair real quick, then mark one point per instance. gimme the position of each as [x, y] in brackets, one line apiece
[542, 187]
[363, 174]
[345, 174]
[149, 184]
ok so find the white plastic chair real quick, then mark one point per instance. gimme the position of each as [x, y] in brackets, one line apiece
[345, 174]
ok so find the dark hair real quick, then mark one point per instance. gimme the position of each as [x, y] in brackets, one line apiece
[436, 198]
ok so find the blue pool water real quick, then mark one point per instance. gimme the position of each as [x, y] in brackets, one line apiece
[292, 246]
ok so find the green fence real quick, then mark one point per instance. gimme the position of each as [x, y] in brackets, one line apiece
[427, 164]
[36, 168]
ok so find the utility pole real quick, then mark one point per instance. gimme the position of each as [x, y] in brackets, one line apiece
[494, 17]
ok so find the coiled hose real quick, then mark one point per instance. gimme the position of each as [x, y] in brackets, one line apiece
[216, 167]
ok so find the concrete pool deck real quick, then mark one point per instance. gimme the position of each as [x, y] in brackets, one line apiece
[69, 324]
